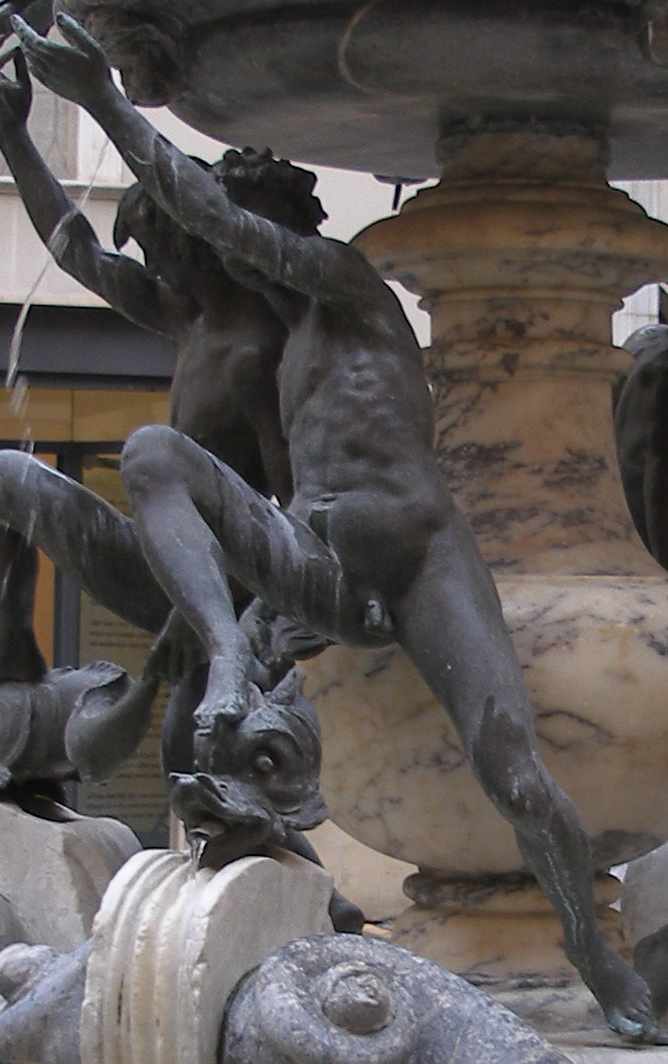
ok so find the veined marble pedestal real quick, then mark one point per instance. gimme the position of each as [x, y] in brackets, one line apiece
[521, 254]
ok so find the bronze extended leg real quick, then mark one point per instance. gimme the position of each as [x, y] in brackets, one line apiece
[85, 536]
[451, 624]
[199, 522]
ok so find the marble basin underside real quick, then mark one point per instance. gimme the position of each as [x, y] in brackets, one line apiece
[373, 86]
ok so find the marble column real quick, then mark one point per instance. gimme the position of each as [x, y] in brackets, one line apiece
[521, 253]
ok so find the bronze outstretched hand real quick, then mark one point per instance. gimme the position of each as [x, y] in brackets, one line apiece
[77, 70]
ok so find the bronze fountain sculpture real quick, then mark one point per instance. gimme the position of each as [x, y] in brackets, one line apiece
[359, 584]
[372, 547]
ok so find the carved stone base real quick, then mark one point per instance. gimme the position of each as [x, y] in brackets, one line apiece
[499, 933]
[502, 935]
[569, 1018]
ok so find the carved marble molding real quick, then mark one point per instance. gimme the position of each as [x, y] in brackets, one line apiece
[171, 942]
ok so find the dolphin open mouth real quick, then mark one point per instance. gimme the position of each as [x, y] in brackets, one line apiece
[225, 811]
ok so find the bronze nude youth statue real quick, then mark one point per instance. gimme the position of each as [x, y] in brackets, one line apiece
[229, 340]
[224, 393]
[372, 548]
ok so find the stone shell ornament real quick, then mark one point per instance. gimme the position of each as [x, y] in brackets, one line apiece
[344, 999]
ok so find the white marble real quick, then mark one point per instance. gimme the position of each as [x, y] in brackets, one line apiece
[54, 873]
[501, 934]
[521, 254]
[170, 943]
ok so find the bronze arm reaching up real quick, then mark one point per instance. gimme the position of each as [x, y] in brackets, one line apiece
[229, 340]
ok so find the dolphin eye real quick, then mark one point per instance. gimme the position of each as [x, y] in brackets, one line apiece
[263, 763]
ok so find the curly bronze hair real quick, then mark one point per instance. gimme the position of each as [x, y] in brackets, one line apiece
[287, 189]
[254, 180]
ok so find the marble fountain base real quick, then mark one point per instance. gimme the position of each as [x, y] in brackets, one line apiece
[157, 912]
[570, 1019]
[553, 1001]
[563, 1012]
